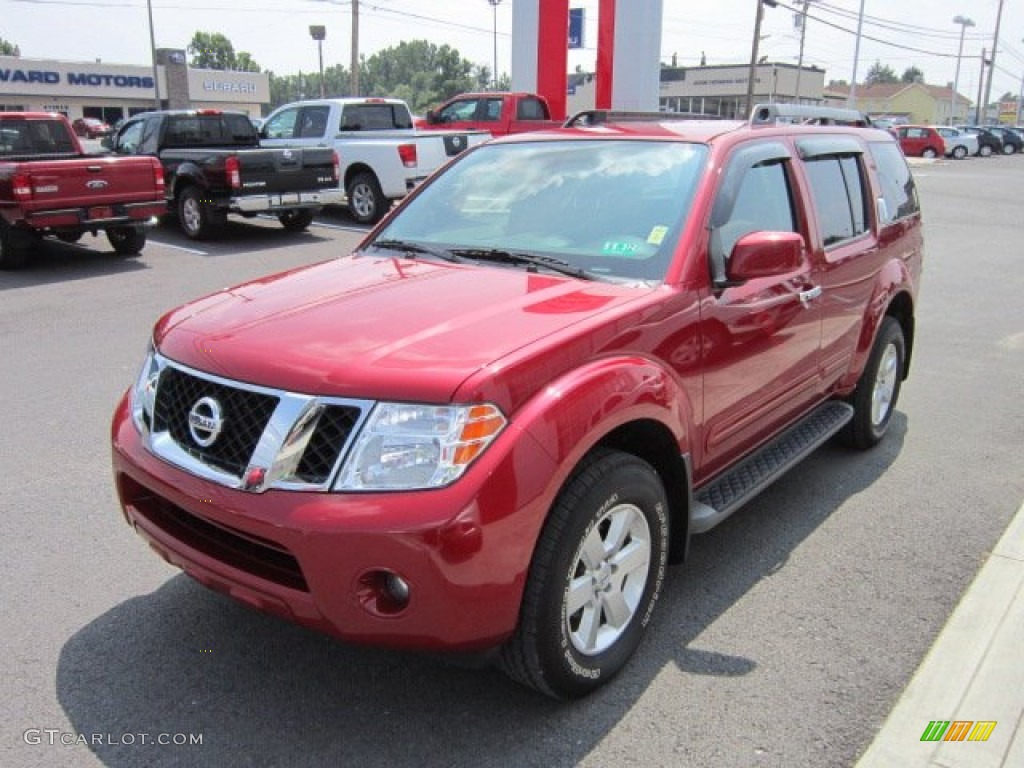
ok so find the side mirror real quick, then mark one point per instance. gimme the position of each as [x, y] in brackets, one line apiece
[107, 143]
[765, 254]
[432, 117]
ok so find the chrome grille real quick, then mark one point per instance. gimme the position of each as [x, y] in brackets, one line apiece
[330, 436]
[245, 413]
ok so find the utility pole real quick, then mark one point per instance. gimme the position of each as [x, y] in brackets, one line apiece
[355, 48]
[992, 61]
[753, 55]
[851, 99]
[152, 52]
[964, 23]
[800, 60]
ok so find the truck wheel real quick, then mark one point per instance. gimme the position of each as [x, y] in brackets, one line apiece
[69, 237]
[296, 221]
[959, 152]
[366, 201]
[874, 399]
[126, 241]
[197, 219]
[594, 580]
[14, 248]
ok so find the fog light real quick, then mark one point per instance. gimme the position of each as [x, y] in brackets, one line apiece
[382, 592]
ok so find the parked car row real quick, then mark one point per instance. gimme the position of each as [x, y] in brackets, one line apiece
[958, 142]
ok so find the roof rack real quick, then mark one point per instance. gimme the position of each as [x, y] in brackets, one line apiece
[770, 114]
[599, 116]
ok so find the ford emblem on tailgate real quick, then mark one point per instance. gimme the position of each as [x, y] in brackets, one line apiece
[97, 184]
[205, 421]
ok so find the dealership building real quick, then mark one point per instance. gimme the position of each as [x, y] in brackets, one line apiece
[114, 91]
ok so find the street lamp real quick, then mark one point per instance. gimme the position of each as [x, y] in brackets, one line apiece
[318, 33]
[1020, 95]
[152, 52]
[494, 5]
[964, 23]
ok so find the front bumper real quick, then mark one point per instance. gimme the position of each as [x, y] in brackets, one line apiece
[286, 201]
[314, 557]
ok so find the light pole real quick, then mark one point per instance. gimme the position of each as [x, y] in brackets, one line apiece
[800, 59]
[964, 23]
[851, 99]
[318, 33]
[152, 52]
[494, 5]
[1020, 95]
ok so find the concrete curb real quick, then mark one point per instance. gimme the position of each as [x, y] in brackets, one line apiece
[974, 672]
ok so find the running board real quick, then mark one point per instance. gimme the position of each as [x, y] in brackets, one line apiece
[727, 493]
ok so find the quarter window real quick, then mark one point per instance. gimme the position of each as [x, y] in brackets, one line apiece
[899, 193]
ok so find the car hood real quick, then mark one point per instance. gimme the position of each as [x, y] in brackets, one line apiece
[380, 328]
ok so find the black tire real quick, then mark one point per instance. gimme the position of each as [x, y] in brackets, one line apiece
[552, 650]
[984, 150]
[196, 216]
[878, 389]
[959, 152]
[14, 247]
[297, 220]
[366, 201]
[69, 237]
[1009, 149]
[929, 153]
[126, 241]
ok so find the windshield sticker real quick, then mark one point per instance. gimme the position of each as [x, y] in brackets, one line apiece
[628, 249]
[657, 235]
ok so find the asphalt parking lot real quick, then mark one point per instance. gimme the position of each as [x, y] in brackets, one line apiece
[784, 641]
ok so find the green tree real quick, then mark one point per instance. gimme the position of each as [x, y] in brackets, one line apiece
[422, 73]
[212, 50]
[9, 49]
[912, 75]
[879, 73]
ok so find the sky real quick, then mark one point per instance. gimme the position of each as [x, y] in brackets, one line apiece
[276, 32]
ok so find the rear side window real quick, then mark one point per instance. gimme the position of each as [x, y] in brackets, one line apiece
[899, 193]
[27, 137]
[375, 117]
[837, 187]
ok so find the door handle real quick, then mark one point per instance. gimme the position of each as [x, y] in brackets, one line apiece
[808, 295]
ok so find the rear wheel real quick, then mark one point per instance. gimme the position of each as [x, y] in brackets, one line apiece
[1009, 149]
[366, 201]
[984, 150]
[296, 221]
[959, 152]
[126, 241]
[594, 580]
[196, 216]
[14, 247]
[929, 153]
[874, 399]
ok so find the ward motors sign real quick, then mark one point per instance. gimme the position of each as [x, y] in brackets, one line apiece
[89, 79]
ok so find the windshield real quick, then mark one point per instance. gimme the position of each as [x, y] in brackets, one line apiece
[612, 209]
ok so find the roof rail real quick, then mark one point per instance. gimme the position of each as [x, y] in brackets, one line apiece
[770, 114]
[599, 116]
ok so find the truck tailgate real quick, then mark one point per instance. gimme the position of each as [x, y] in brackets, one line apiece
[287, 169]
[435, 148]
[92, 181]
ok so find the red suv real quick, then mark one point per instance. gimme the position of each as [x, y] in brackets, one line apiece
[920, 141]
[494, 425]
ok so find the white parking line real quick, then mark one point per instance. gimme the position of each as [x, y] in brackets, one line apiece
[340, 227]
[179, 248]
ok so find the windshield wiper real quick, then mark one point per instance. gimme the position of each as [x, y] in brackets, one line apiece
[520, 257]
[410, 248]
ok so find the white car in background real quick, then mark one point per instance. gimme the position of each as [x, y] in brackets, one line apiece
[959, 144]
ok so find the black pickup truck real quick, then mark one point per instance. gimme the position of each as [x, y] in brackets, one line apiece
[214, 165]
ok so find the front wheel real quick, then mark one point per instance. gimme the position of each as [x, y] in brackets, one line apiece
[595, 578]
[126, 241]
[985, 150]
[959, 152]
[366, 201]
[1009, 149]
[874, 399]
[296, 220]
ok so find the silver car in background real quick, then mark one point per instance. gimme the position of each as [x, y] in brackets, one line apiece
[959, 144]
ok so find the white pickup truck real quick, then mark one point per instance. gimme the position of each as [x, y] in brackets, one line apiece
[383, 157]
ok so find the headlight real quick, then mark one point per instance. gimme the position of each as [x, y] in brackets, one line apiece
[144, 393]
[407, 446]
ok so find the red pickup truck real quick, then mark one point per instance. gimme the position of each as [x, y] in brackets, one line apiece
[494, 425]
[50, 186]
[496, 112]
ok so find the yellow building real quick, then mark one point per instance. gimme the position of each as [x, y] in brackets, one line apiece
[914, 103]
